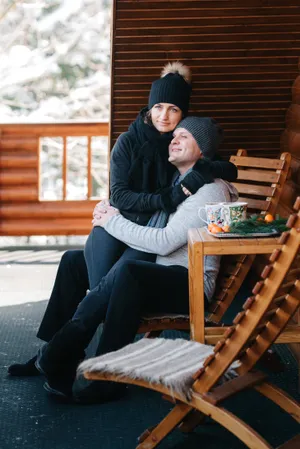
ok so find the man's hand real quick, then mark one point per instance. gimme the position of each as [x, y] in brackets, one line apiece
[103, 216]
[100, 207]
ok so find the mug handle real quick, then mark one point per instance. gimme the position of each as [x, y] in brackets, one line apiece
[200, 210]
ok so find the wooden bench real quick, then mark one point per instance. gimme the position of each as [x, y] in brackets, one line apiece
[260, 183]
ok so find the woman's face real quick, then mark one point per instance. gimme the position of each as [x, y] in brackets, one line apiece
[165, 116]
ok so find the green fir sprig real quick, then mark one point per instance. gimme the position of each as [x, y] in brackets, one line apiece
[257, 224]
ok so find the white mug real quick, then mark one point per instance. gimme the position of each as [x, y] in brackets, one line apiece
[213, 213]
[223, 213]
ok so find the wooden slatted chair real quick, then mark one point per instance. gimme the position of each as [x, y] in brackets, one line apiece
[260, 183]
[182, 370]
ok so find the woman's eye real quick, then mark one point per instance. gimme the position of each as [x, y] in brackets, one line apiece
[157, 106]
[174, 110]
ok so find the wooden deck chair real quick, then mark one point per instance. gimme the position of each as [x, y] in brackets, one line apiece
[200, 377]
[260, 183]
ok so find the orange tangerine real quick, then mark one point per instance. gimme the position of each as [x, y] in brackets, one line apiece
[226, 228]
[216, 229]
[210, 226]
[269, 218]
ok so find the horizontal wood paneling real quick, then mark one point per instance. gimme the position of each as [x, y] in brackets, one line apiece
[243, 56]
[21, 211]
[206, 4]
[19, 177]
[54, 226]
[49, 209]
[20, 193]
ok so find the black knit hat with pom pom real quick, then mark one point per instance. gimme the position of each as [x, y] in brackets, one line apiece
[173, 87]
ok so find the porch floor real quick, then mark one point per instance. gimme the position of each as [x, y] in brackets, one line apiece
[30, 419]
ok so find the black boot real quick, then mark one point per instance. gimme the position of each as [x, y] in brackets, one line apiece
[65, 349]
[24, 369]
[61, 356]
[97, 392]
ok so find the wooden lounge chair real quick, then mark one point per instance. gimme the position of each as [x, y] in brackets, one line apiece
[260, 183]
[182, 370]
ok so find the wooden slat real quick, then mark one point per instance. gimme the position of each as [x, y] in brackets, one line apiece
[18, 160]
[205, 21]
[15, 193]
[23, 143]
[64, 168]
[48, 209]
[59, 226]
[242, 161]
[89, 167]
[250, 189]
[186, 11]
[19, 177]
[230, 388]
[222, 29]
[129, 5]
[258, 175]
[71, 128]
[255, 204]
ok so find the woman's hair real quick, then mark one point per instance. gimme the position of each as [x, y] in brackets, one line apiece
[148, 118]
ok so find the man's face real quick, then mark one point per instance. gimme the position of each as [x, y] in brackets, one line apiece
[183, 149]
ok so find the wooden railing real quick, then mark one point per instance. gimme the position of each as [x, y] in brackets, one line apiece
[21, 210]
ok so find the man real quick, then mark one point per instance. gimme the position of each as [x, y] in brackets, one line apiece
[134, 288]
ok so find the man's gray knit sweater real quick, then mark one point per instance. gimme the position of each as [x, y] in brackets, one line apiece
[170, 243]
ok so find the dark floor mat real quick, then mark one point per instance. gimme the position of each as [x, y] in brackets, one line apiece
[30, 420]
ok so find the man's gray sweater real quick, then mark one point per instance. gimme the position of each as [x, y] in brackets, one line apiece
[170, 243]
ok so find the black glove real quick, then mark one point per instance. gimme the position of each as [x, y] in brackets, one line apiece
[171, 197]
[201, 174]
[224, 170]
[204, 172]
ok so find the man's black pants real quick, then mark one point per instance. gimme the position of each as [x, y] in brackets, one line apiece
[136, 288]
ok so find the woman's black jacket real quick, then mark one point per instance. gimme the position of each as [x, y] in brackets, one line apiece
[140, 174]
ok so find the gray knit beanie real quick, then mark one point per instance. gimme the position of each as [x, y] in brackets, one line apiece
[206, 131]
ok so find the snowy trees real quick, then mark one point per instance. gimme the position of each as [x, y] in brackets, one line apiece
[54, 59]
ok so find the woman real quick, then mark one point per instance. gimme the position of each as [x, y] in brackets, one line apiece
[139, 163]
[140, 180]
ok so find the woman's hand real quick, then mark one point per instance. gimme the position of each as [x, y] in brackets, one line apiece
[186, 191]
[100, 207]
[104, 216]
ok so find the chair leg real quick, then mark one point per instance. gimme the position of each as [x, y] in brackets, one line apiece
[232, 423]
[155, 436]
[280, 398]
[191, 421]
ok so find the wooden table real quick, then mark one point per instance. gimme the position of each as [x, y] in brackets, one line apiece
[202, 244]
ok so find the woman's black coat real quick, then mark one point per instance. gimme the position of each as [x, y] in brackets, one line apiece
[140, 174]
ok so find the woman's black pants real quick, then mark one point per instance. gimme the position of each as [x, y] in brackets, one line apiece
[81, 270]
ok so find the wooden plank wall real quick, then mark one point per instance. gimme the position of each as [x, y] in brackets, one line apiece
[243, 54]
[290, 141]
[21, 210]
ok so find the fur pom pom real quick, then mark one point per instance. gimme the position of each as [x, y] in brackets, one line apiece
[177, 67]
